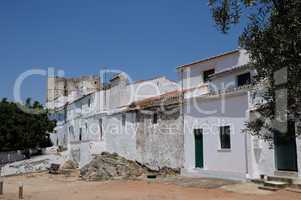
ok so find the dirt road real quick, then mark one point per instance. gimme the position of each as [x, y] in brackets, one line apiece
[58, 187]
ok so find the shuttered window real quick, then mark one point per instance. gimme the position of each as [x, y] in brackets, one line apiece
[225, 137]
[207, 74]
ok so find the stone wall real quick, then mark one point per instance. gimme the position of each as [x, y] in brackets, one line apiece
[120, 137]
[61, 86]
[11, 156]
[160, 144]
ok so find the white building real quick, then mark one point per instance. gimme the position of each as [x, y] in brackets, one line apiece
[109, 120]
[217, 103]
[197, 124]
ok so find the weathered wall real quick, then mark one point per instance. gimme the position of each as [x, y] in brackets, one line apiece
[60, 137]
[74, 155]
[121, 138]
[155, 145]
[61, 86]
[160, 144]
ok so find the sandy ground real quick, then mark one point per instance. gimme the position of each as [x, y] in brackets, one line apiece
[43, 186]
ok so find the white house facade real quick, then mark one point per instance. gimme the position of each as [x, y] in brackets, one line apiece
[217, 104]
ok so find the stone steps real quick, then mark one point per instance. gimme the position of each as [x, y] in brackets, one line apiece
[257, 181]
[273, 189]
[275, 184]
[287, 180]
[290, 174]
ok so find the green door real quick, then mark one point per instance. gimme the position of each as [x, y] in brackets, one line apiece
[198, 138]
[285, 149]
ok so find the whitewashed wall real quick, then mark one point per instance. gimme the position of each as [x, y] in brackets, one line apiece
[227, 81]
[298, 141]
[193, 74]
[217, 162]
[262, 158]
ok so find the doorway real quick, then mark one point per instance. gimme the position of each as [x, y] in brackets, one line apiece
[285, 149]
[199, 153]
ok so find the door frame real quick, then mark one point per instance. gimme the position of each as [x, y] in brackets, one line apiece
[198, 133]
[291, 143]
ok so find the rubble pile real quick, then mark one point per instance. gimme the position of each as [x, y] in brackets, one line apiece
[69, 164]
[109, 166]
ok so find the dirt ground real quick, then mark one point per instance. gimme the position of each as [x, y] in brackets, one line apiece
[43, 186]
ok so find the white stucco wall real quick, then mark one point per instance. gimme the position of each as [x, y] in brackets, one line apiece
[193, 74]
[217, 162]
[262, 158]
[88, 149]
[60, 137]
[227, 81]
[123, 95]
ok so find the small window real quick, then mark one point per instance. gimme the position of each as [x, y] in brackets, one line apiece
[207, 74]
[89, 103]
[123, 119]
[100, 129]
[244, 79]
[86, 125]
[225, 137]
[80, 134]
[71, 130]
[155, 118]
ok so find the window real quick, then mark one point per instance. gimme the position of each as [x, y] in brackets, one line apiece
[100, 129]
[244, 79]
[89, 103]
[207, 73]
[155, 118]
[80, 134]
[64, 140]
[123, 119]
[71, 132]
[225, 137]
[65, 114]
[86, 125]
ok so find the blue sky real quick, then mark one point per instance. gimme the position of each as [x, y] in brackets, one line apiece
[141, 37]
